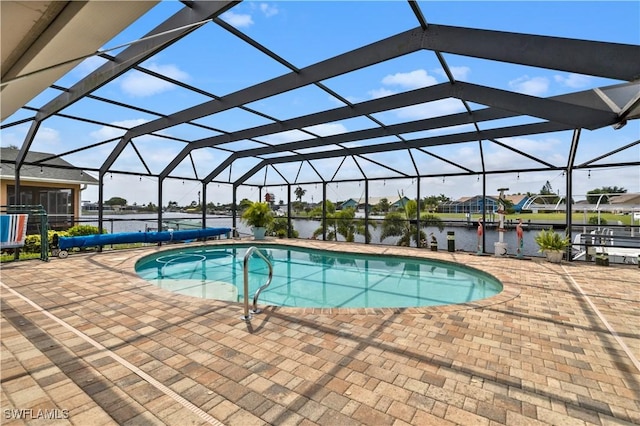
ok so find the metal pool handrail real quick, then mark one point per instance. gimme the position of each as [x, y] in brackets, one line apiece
[247, 256]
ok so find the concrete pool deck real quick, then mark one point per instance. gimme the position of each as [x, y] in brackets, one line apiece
[86, 341]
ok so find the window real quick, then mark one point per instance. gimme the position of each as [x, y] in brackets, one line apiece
[57, 202]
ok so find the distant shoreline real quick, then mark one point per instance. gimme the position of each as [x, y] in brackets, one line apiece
[129, 212]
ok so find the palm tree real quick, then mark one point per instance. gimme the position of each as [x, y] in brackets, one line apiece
[245, 204]
[384, 205]
[280, 226]
[400, 223]
[343, 222]
[299, 193]
[330, 210]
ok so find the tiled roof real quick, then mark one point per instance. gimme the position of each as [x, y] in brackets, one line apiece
[625, 199]
[62, 172]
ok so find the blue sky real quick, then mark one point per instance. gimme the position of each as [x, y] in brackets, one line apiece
[304, 33]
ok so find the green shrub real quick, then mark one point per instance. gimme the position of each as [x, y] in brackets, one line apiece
[32, 243]
[258, 215]
[80, 230]
[548, 240]
[279, 228]
[593, 220]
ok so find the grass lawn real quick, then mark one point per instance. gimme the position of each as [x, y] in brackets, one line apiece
[576, 218]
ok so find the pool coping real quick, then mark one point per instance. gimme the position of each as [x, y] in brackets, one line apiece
[510, 290]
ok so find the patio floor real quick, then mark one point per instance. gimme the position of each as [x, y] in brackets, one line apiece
[85, 341]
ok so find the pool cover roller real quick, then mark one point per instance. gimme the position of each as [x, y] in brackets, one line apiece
[66, 243]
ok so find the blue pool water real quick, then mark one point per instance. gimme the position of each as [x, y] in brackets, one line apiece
[316, 278]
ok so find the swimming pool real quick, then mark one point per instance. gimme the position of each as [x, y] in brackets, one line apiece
[305, 277]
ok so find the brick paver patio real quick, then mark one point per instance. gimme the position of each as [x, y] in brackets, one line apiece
[87, 342]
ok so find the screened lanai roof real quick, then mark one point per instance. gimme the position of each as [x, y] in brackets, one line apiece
[273, 93]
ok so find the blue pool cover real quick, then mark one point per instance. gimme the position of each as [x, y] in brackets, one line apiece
[139, 237]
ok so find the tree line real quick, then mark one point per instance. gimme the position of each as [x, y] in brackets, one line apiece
[428, 203]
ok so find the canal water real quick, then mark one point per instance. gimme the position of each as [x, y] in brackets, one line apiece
[464, 238]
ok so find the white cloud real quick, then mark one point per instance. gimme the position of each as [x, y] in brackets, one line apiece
[46, 139]
[238, 20]
[14, 136]
[89, 65]
[138, 84]
[546, 149]
[459, 73]
[245, 20]
[327, 129]
[534, 86]
[407, 80]
[499, 158]
[575, 81]
[105, 133]
[410, 80]
[284, 137]
[533, 146]
[430, 109]
[381, 93]
[268, 10]
[462, 128]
